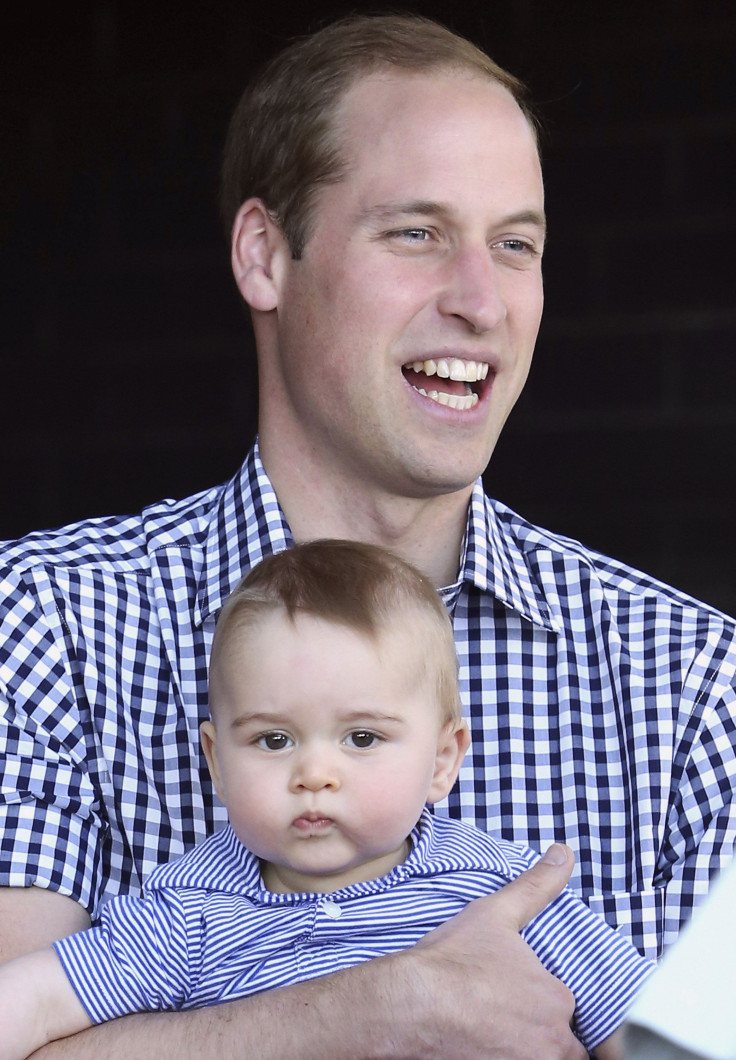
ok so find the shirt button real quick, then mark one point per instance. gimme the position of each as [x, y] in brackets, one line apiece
[331, 909]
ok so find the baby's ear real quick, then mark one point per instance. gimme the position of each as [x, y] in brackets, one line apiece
[208, 737]
[255, 245]
[453, 742]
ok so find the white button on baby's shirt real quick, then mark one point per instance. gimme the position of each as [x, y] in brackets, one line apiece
[331, 909]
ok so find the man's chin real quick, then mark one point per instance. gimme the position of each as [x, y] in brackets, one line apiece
[436, 483]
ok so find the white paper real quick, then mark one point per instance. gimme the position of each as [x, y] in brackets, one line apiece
[691, 998]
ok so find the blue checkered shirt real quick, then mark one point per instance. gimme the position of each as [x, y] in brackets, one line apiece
[601, 703]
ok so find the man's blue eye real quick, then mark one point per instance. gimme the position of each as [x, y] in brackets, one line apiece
[412, 235]
[517, 245]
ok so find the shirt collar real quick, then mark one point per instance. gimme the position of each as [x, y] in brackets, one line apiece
[495, 559]
[247, 524]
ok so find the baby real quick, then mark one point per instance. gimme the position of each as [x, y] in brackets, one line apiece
[335, 720]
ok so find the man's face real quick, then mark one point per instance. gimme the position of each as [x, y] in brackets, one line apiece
[424, 260]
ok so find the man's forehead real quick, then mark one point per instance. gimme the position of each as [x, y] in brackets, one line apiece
[373, 85]
[377, 96]
[430, 140]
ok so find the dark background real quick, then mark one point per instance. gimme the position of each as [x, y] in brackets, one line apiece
[126, 366]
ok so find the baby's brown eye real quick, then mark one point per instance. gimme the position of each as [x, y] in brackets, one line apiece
[274, 741]
[362, 739]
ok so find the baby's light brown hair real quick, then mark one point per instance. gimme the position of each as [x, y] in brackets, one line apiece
[363, 587]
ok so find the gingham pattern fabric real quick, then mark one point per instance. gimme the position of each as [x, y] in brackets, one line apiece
[601, 703]
[208, 932]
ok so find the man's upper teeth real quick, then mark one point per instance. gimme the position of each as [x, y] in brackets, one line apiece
[453, 368]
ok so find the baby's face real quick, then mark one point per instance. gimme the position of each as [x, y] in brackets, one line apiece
[326, 747]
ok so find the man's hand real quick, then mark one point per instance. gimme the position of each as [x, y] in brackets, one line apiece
[486, 993]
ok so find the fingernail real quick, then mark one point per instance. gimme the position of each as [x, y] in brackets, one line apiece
[555, 855]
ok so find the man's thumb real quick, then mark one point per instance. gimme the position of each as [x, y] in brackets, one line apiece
[530, 893]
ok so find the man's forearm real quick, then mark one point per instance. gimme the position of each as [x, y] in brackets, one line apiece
[350, 1014]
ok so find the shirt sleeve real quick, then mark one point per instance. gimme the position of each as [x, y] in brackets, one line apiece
[49, 804]
[600, 967]
[701, 832]
[695, 829]
[141, 956]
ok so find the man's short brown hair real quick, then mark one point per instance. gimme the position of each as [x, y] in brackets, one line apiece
[281, 145]
[363, 587]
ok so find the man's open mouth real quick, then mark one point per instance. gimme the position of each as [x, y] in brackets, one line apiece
[455, 383]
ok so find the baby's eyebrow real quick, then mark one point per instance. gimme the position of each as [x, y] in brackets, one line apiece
[255, 716]
[355, 716]
[348, 717]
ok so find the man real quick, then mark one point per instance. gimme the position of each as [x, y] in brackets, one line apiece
[383, 189]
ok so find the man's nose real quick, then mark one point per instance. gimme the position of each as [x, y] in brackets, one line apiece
[472, 291]
[315, 769]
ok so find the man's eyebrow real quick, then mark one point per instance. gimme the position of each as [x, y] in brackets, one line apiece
[386, 211]
[526, 217]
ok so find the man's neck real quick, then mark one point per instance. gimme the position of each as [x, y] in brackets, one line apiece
[425, 531]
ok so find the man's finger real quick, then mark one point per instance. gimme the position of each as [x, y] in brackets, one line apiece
[532, 891]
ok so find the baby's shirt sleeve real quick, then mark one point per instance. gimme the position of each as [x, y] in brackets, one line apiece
[141, 956]
[600, 967]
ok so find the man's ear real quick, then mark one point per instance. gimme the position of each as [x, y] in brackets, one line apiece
[256, 242]
[453, 742]
[208, 736]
